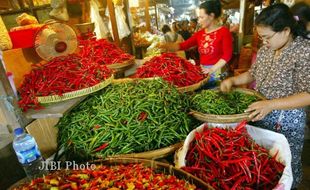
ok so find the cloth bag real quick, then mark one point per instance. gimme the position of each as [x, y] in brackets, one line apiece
[270, 140]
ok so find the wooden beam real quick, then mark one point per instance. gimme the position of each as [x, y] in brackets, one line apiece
[86, 11]
[156, 19]
[113, 22]
[241, 23]
[147, 16]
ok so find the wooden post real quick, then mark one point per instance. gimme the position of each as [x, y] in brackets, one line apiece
[147, 16]
[156, 19]
[241, 24]
[129, 41]
[113, 22]
[85, 11]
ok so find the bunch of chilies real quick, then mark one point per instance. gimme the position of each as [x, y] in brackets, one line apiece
[131, 176]
[229, 159]
[70, 73]
[174, 69]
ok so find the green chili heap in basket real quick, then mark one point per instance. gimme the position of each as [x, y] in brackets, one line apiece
[216, 102]
[125, 118]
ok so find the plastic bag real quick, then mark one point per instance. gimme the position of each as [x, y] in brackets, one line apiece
[5, 40]
[101, 29]
[270, 140]
[59, 10]
[122, 27]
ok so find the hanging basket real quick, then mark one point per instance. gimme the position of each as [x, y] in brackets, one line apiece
[75, 94]
[212, 118]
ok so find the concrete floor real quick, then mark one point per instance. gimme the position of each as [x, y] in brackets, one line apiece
[305, 185]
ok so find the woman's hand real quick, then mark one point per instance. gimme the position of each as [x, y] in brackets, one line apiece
[207, 70]
[259, 109]
[227, 84]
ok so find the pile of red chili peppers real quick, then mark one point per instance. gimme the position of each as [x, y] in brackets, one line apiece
[229, 159]
[171, 68]
[118, 177]
[60, 75]
[102, 51]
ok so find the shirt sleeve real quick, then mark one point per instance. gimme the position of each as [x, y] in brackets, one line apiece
[227, 45]
[192, 41]
[302, 80]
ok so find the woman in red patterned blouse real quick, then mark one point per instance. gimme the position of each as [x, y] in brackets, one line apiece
[214, 41]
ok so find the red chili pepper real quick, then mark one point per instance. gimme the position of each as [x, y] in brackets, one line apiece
[60, 75]
[230, 159]
[142, 116]
[102, 147]
[171, 68]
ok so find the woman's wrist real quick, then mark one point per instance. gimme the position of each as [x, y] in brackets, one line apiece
[233, 81]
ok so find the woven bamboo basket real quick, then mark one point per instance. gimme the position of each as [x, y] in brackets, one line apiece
[194, 87]
[157, 166]
[153, 154]
[75, 94]
[160, 167]
[212, 118]
[124, 80]
[121, 67]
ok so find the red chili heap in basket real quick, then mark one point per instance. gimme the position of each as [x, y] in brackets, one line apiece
[119, 177]
[171, 68]
[58, 76]
[102, 51]
[230, 159]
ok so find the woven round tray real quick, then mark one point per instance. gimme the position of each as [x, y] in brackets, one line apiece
[157, 166]
[195, 86]
[75, 94]
[153, 154]
[212, 118]
[121, 67]
[124, 80]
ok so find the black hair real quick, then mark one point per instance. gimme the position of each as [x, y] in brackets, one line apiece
[301, 10]
[278, 17]
[212, 6]
[165, 29]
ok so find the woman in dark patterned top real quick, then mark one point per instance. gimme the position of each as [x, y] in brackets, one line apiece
[281, 72]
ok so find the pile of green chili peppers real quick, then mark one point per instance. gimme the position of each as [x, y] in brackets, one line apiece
[218, 103]
[125, 118]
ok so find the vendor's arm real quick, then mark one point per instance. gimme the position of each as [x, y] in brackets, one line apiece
[262, 108]
[300, 99]
[191, 42]
[241, 79]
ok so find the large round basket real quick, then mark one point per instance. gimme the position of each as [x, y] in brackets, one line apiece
[212, 118]
[124, 80]
[75, 94]
[121, 67]
[194, 87]
[153, 154]
[157, 166]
